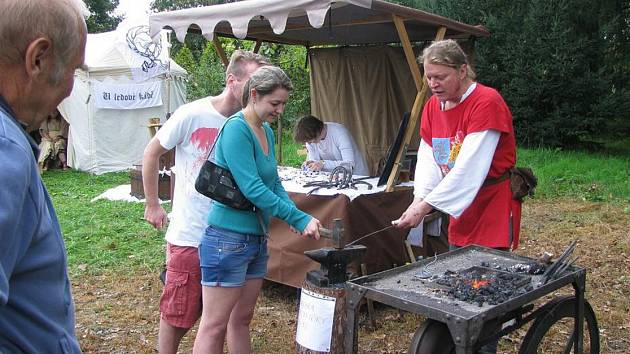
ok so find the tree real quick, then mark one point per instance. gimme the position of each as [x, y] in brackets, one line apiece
[194, 41]
[102, 17]
[208, 77]
[556, 62]
[185, 59]
[615, 31]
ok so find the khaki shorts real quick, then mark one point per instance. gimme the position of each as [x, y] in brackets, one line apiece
[180, 303]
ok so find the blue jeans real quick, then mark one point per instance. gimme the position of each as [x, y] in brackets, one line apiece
[228, 258]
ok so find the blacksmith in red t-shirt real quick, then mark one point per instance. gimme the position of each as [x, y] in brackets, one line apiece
[467, 139]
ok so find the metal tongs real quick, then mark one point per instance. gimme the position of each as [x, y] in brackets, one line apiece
[562, 264]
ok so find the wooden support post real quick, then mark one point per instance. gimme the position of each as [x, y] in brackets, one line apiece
[280, 140]
[409, 54]
[257, 45]
[220, 51]
[370, 304]
[418, 104]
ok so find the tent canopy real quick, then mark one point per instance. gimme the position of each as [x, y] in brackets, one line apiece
[310, 23]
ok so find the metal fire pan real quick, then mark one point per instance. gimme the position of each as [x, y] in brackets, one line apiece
[403, 288]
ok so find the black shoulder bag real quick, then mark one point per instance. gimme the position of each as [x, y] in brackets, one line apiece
[217, 183]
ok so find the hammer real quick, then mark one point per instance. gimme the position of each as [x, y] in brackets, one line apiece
[336, 234]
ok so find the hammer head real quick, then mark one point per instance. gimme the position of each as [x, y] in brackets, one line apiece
[336, 234]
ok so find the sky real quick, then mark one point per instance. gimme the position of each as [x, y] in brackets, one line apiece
[133, 8]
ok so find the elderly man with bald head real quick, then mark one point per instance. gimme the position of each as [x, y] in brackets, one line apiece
[43, 42]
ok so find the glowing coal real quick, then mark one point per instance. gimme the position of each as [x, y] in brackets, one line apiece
[479, 285]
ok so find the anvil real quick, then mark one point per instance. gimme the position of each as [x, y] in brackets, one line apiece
[334, 261]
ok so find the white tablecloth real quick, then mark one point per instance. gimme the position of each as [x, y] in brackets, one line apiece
[293, 180]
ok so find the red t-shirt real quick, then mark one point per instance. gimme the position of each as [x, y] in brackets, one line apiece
[486, 221]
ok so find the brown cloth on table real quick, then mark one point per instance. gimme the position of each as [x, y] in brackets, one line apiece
[365, 214]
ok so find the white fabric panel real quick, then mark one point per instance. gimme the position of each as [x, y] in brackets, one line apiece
[127, 96]
[238, 14]
[75, 110]
[108, 54]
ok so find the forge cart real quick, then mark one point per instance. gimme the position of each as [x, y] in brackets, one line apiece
[460, 318]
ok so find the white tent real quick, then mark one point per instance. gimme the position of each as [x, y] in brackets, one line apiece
[129, 79]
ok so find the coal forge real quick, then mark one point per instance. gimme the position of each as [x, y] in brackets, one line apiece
[479, 285]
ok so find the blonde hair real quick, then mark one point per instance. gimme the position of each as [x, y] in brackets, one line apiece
[240, 58]
[265, 80]
[23, 21]
[448, 53]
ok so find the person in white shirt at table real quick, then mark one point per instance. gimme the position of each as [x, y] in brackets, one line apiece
[329, 145]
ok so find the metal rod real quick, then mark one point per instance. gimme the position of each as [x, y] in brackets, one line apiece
[370, 234]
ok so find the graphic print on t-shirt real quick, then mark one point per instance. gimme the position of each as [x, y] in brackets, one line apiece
[446, 150]
[202, 139]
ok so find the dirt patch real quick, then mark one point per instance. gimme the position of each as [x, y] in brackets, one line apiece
[118, 313]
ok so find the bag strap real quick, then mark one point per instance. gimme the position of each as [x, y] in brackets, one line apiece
[494, 180]
[256, 209]
[218, 135]
[262, 223]
[217, 139]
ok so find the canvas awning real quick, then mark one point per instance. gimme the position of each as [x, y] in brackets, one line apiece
[308, 22]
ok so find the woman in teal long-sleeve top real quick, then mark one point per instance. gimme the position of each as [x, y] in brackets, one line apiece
[233, 251]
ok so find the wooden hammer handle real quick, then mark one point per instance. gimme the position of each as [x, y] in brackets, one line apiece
[326, 233]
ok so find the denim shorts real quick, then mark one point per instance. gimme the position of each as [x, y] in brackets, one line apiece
[229, 258]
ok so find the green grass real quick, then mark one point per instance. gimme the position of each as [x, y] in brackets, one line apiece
[581, 175]
[290, 149]
[112, 236]
[103, 234]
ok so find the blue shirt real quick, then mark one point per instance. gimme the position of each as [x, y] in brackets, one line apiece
[256, 175]
[36, 308]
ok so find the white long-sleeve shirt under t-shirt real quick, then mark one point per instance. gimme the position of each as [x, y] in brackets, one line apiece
[338, 149]
[454, 192]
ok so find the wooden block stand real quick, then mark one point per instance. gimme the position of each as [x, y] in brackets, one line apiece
[339, 322]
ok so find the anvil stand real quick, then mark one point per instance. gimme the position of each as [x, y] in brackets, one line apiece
[330, 280]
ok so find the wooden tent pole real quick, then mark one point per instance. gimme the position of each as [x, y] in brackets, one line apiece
[257, 46]
[280, 140]
[409, 55]
[220, 51]
[419, 102]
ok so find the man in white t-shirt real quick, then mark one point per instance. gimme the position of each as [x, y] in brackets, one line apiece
[329, 145]
[192, 131]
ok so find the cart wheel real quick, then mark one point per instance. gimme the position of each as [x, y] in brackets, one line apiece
[433, 337]
[554, 328]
